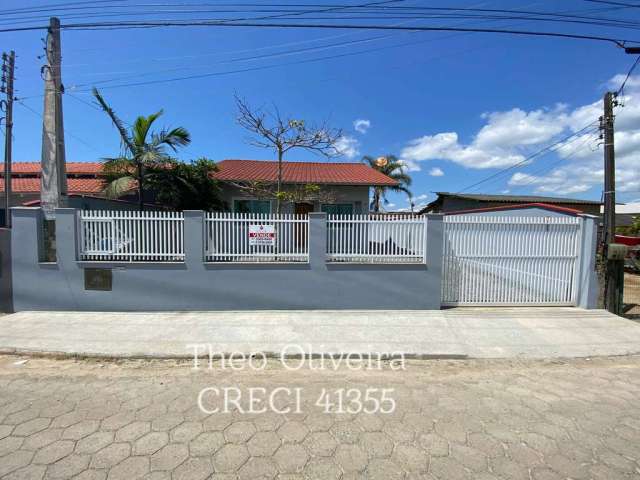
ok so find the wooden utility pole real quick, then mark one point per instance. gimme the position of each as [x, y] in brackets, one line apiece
[613, 282]
[54, 179]
[8, 68]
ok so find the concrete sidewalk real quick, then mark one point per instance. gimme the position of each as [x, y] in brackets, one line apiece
[460, 332]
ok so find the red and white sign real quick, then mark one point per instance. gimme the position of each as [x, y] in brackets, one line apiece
[264, 235]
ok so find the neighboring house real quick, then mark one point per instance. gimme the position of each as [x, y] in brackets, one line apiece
[520, 210]
[344, 187]
[625, 214]
[84, 184]
[455, 202]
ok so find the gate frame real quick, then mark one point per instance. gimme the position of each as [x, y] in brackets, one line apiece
[585, 280]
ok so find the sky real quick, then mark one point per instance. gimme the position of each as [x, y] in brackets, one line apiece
[456, 108]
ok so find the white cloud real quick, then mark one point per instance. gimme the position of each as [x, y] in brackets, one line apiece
[436, 172]
[509, 137]
[348, 146]
[362, 125]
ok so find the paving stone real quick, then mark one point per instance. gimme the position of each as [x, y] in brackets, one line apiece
[42, 439]
[239, 432]
[5, 430]
[194, 469]
[68, 467]
[384, 469]
[32, 426]
[54, 452]
[410, 458]
[14, 461]
[376, 444]
[263, 444]
[321, 469]
[150, 443]
[320, 444]
[131, 468]
[206, 443]
[110, 455]
[132, 431]
[169, 457]
[80, 429]
[167, 421]
[91, 475]
[10, 444]
[258, 468]
[94, 442]
[291, 458]
[293, 432]
[186, 432]
[217, 422]
[230, 458]
[346, 432]
[31, 472]
[351, 458]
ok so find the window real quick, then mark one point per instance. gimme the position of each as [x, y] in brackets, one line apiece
[337, 208]
[252, 206]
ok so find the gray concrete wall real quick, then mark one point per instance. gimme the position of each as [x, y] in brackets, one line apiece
[6, 296]
[195, 285]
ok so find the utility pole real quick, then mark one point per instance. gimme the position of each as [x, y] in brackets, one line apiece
[54, 179]
[613, 254]
[8, 68]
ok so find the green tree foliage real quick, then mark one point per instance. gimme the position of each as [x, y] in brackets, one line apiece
[392, 168]
[186, 186]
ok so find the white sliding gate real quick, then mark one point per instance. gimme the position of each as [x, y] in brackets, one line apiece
[510, 260]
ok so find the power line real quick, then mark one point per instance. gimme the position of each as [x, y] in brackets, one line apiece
[633, 67]
[528, 158]
[150, 24]
[67, 132]
[535, 174]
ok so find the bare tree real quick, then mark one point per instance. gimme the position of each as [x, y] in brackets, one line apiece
[272, 131]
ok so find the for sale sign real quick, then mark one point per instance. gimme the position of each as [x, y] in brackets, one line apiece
[262, 235]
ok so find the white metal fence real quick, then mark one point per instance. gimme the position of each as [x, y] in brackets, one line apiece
[376, 238]
[131, 236]
[255, 237]
[510, 260]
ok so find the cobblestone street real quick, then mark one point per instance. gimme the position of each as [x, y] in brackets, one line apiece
[577, 419]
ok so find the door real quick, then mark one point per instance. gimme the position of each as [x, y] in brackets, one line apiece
[301, 233]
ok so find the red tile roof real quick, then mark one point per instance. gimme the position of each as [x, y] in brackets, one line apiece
[301, 172]
[74, 185]
[72, 167]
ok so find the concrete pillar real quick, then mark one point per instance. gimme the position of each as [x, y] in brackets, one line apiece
[435, 243]
[66, 237]
[587, 296]
[318, 240]
[194, 238]
[26, 236]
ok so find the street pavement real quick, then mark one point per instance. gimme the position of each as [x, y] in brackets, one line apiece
[464, 419]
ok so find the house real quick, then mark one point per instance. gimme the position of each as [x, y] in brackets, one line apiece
[342, 188]
[84, 184]
[455, 202]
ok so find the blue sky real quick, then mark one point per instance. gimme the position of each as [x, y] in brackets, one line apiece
[455, 107]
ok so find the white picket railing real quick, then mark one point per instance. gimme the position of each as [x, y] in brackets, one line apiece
[256, 237]
[376, 238]
[510, 260]
[131, 236]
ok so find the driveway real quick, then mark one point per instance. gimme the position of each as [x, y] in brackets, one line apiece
[453, 420]
[458, 332]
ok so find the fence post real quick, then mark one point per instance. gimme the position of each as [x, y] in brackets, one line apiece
[66, 236]
[587, 296]
[193, 238]
[317, 239]
[434, 248]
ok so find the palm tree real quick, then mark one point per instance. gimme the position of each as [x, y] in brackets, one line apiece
[141, 149]
[392, 168]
